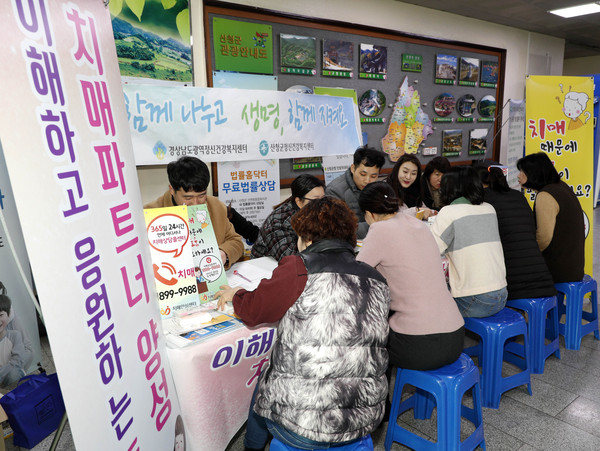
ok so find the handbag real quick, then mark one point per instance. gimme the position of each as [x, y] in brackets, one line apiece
[34, 408]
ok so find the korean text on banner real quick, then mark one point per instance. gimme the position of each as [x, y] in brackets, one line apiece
[560, 122]
[251, 187]
[237, 124]
[68, 151]
[171, 251]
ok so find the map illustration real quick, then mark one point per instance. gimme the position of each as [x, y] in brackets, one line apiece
[409, 125]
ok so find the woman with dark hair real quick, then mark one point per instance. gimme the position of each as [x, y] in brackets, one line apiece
[326, 381]
[405, 179]
[527, 274]
[560, 229]
[466, 230]
[427, 329]
[276, 237]
[431, 181]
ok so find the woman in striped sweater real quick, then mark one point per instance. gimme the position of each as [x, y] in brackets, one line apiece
[466, 231]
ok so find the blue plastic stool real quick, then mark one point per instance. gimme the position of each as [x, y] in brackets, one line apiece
[447, 386]
[363, 444]
[570, 302]
[542, 323]
[496, 345]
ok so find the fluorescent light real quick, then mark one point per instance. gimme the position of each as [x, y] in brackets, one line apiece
[574, 11]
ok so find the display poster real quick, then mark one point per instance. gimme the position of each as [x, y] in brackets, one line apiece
[516, 140]
[15, 283]
[243, 46]
[206, 256]
[237, 124]
[560, 122]
[152, 39]
[67, 147]
[251, 187]
[173, 267]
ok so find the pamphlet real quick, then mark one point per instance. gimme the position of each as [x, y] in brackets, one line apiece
[208, 267]
[171, 252]
[201, 335]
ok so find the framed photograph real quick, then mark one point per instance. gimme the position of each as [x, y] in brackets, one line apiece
[466, 105]
[371, 103]
[487, 106]
[451, 143]
[478, 141]
[444, 104]
[445, 69]
[469, 71]
[298, 54]
[373, 61]
[489, 74]
[338, 58]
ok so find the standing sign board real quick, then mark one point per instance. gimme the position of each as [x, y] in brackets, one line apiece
[560, 122]
[68, 151]
[251, 187]
[172, 264]
[516, 141]
[186, 260]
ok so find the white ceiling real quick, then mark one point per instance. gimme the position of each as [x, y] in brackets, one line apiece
[581, 34]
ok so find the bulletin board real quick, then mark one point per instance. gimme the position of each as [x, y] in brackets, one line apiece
[440, 99]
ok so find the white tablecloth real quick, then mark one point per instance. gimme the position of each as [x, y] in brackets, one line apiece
[215, 379]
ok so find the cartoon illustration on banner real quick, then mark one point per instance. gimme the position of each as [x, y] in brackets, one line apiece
[558, 113]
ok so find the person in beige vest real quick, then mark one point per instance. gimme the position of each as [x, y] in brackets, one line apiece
[188, 180]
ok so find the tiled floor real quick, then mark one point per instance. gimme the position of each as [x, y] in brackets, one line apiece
[563, 413]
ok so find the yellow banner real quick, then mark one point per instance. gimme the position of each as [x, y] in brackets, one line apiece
[560, 122]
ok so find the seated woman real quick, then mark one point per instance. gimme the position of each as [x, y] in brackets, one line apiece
[326, 380]
[405, 179]
[427, 330]
[276, 236]
[431, 181]
[466, 230]
[527, 274]
[560, 229]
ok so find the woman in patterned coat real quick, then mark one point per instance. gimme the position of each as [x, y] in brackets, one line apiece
[326, 381]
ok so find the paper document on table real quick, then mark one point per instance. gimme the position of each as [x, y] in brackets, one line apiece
[248, 276]
[185, 324]
[200, 335]
[250, 272]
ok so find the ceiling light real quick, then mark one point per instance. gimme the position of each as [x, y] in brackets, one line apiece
[574, 11]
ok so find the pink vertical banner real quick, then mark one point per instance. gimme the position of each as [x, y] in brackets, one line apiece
[68, 151]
